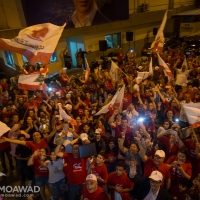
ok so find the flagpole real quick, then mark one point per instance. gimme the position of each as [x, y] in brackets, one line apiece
[123, 72]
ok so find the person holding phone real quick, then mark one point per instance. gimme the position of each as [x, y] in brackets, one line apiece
[179, 166]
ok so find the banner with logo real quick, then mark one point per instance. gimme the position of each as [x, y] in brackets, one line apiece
[36, 43]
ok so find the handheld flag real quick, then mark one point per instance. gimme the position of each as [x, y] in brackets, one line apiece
[109, 106]
[36, 43]
[145, 75]
[116, 102]
[65, 116]
[114, 71]
[158, 43]
[192, 111]
[165, 67]
[33, 81]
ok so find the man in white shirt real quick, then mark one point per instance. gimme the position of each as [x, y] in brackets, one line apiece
[86, 14]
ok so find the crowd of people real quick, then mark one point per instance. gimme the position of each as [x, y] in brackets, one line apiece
[145, 149]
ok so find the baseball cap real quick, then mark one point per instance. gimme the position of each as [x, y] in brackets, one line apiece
[160, 153]
[98, 130]
[156, 175]
[91, 177]
[83, 136]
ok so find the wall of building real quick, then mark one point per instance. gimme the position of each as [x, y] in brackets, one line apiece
[141, 24]
[11, 14]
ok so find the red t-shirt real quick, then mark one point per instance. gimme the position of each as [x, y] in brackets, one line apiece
[176, 175]
[99, 194]
[36, 146]
[191, 156]
[31, 105]
[162, 168]
[4, 145]
[169, 152]
[127, 100]
[175, 192]
[77, 169]
[108, 84]
[101, 172]
[39, 169]
[123, 182]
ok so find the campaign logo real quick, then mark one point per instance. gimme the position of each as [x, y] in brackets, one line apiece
[77, 166]
[39, 34]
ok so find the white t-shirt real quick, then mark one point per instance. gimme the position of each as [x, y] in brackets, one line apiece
[181, 77]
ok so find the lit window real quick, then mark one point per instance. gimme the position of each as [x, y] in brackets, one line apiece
[24, 59]
[113, 40]
[53, 58]
[8, 59]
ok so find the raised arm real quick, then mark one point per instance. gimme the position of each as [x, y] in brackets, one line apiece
[160, 94]
[14, 141]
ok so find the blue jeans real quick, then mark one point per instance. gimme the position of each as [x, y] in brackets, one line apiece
[58, 189]
[74, 191]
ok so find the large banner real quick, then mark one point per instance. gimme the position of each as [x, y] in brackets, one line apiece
[68, 11]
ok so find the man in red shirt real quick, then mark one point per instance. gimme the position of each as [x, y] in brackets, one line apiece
[124, 129]
[155, 164]
[119, 183]
[193, 149]
[92, 191]
[76, 167]
[37, 142]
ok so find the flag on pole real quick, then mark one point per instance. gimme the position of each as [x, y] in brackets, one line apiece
[4, 128]
[158, 43]
[192, 111]
[65, 116]
[114, 71]
[87, 73]
[145, 75]
[165, 67]
[109, 106]
[33, 81]
[36, 43]
[119, 100]
[116, 102]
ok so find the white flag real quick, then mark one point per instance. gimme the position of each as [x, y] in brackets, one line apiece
[65, 116]
[116, 102]
[3, 128]
[109, 106]
[165, 67]
[145, 75]
[114, 71]
[120, 97]
[158, 43]
[36, 43]
[192, 111]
